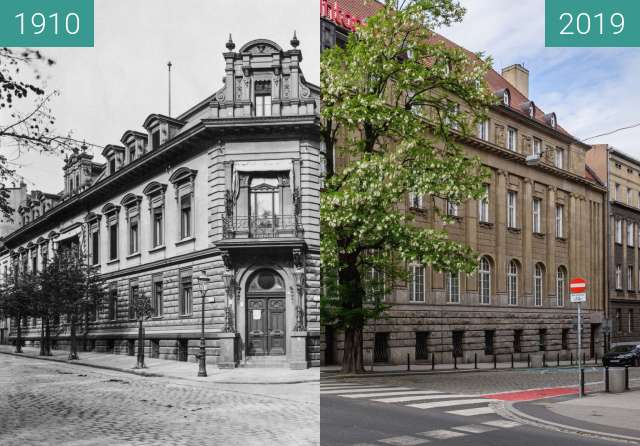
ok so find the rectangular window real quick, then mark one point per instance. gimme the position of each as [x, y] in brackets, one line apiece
[186, 293]
[512, 198]
[512, 139]
[453, 288]
[113, 302]
[95, 247]
[113, 241]
[415, 200]
[263, 105]
[155, 140]
[559, 158]
[489, 336]
[458, 342]
[618, 232]
[537, 146]
[133, 297]
[157, 226]
[630, 234]
[565, 339]
[629, 278]
[156, 303]
[537, 205]
[559, 221]
[542, 333]
[416, 283]
[112, 169]
[132, 154]
[381, 347]
[618, 277]
[185, 216]
[483, 130]
[422, 345]
[133, 235]
[452, 209]
[483, 206]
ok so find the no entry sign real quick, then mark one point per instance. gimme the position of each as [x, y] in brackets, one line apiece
[578, 289]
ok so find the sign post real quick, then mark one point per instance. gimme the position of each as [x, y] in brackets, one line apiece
[578, 291]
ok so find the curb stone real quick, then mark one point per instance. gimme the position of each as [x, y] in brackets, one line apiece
[151, 374]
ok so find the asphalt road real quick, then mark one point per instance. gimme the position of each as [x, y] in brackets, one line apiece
[47, 403]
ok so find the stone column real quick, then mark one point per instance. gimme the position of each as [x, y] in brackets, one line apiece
[501, 230]
[527, 228]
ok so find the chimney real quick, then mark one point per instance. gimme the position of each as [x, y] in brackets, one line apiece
[518, 76]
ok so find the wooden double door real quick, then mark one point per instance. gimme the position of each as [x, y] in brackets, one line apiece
[266, 318]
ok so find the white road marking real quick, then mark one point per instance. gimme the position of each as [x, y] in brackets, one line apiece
[474, 429]
[472, 412]
[506, 424]
[442, 434]
[404, 440]
[405, 399]
[405, 392]
[449, 403]
[363, 389]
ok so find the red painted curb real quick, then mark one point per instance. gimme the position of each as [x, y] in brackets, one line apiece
[530, 395]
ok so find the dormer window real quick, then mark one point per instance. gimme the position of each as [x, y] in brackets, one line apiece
[155, 140]
[506, 98]
[132, 154]
[263, 98]
[552, 121]
[532, 110]
[112, 167]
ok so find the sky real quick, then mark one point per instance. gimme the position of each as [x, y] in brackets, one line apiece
[114, 86]
[591, 90]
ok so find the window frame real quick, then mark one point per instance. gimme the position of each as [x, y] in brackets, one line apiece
[559, 221]
[415, 287]
[484, 281]
[512, 139]
[185, 306]
[483, 206]
[536, 213]
[513, 278]
[561, 286]
[512, 209]
[538, 284]
[452, 282]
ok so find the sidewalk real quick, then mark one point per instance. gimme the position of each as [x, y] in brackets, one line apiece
[603, 415]
[174, 369]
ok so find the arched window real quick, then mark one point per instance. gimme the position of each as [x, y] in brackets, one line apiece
[538, 284]
[484, 279]
[512, 282]
[561, 283]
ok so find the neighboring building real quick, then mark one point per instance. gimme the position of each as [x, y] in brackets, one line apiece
[16, 196]
[622, 174]
[541, 223]
[229, 189]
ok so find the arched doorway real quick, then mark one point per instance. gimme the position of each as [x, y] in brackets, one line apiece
[266, 315]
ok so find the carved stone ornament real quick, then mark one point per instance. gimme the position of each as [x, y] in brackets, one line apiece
[286, 89]
[298, 260]
[305, 92]
[226, 259]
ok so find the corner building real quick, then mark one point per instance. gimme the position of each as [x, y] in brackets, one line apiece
[229, 189]
[541, 222]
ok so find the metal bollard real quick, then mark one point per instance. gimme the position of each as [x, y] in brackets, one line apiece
[475, 360]
[571, 358]
[495, 361]
[408, 362]
[606, 379]
[528, 361]
[433, 361]
[511, 360]
[626, 377]
[582, 382]
[455, 361]
[544, 360]
[558, 360]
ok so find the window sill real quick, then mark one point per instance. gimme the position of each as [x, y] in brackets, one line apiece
[185, 241]
[540, 235]
[134, 255]
[158, 248]
[417, 210]
[156, 318]
[486, 224]
[561, 239]
[514, 230]
[185, 316]
[113, 262]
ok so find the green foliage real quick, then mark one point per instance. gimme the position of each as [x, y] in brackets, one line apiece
[395, 101]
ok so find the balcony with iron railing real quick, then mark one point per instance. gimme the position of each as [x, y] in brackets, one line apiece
[253, 227]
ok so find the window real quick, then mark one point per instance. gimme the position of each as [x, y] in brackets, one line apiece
[618, 232]
[559, 158]
[616, 192]
[422, 345]
[565, 339]
[263, 98]
[512, 198]
[458, 342]
[559, 221]
[512, 139]
[542, 334]
[133, 298]
[538, 284]
[483, 206]
[561, 283]
[618, 277]
[489, 337]
[483, 130]
[453, 288]
[185, 216]
[517, 341]
[376, 285]
[630, 234]
[512, 282]
[630, 323]
[629, 196]
[155, 140]
[133, 236]
[484, 280]
[455, 113]
[452, 209]
[132, 153]
[537, 205]
[537, 146]
[264, 203]
[113, 240]
[186, 293]
[158, 226]
[381, 347]
[416, 283]
[619, 320]
[156, 302]
[95, 246]
[629, 278]
[506, 98]
[415, 200]
[113, 302]
[112, 168]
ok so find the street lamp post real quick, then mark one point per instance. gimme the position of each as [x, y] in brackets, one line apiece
[203, 280]
[142, 311]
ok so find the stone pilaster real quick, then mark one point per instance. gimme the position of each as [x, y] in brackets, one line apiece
[501, 229]
[471, 236]
[527, 228]
[551, 232]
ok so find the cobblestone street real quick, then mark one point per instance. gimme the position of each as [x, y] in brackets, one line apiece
[46, 403]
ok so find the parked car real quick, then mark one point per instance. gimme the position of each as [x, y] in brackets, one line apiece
[622, 355]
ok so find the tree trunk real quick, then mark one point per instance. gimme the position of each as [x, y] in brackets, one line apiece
[47, 335]
[19, 336]
[140, 362]
[73, 347]
[42, 341]
[352, 296]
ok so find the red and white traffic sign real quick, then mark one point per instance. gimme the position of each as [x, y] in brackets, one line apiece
[578, 289]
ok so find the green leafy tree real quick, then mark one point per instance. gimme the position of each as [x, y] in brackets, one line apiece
[395, 100]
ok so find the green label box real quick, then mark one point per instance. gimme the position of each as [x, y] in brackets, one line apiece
[592, 23]
[46, 23]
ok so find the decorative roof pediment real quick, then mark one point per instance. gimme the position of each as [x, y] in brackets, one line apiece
[261, 46]
[110, 208]
[42, 240]
[130, 200]
[111, 148]
[154, 119]
[131, 136]
[92, 216]
[54, 234]
[182, 174]
[154, 188]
